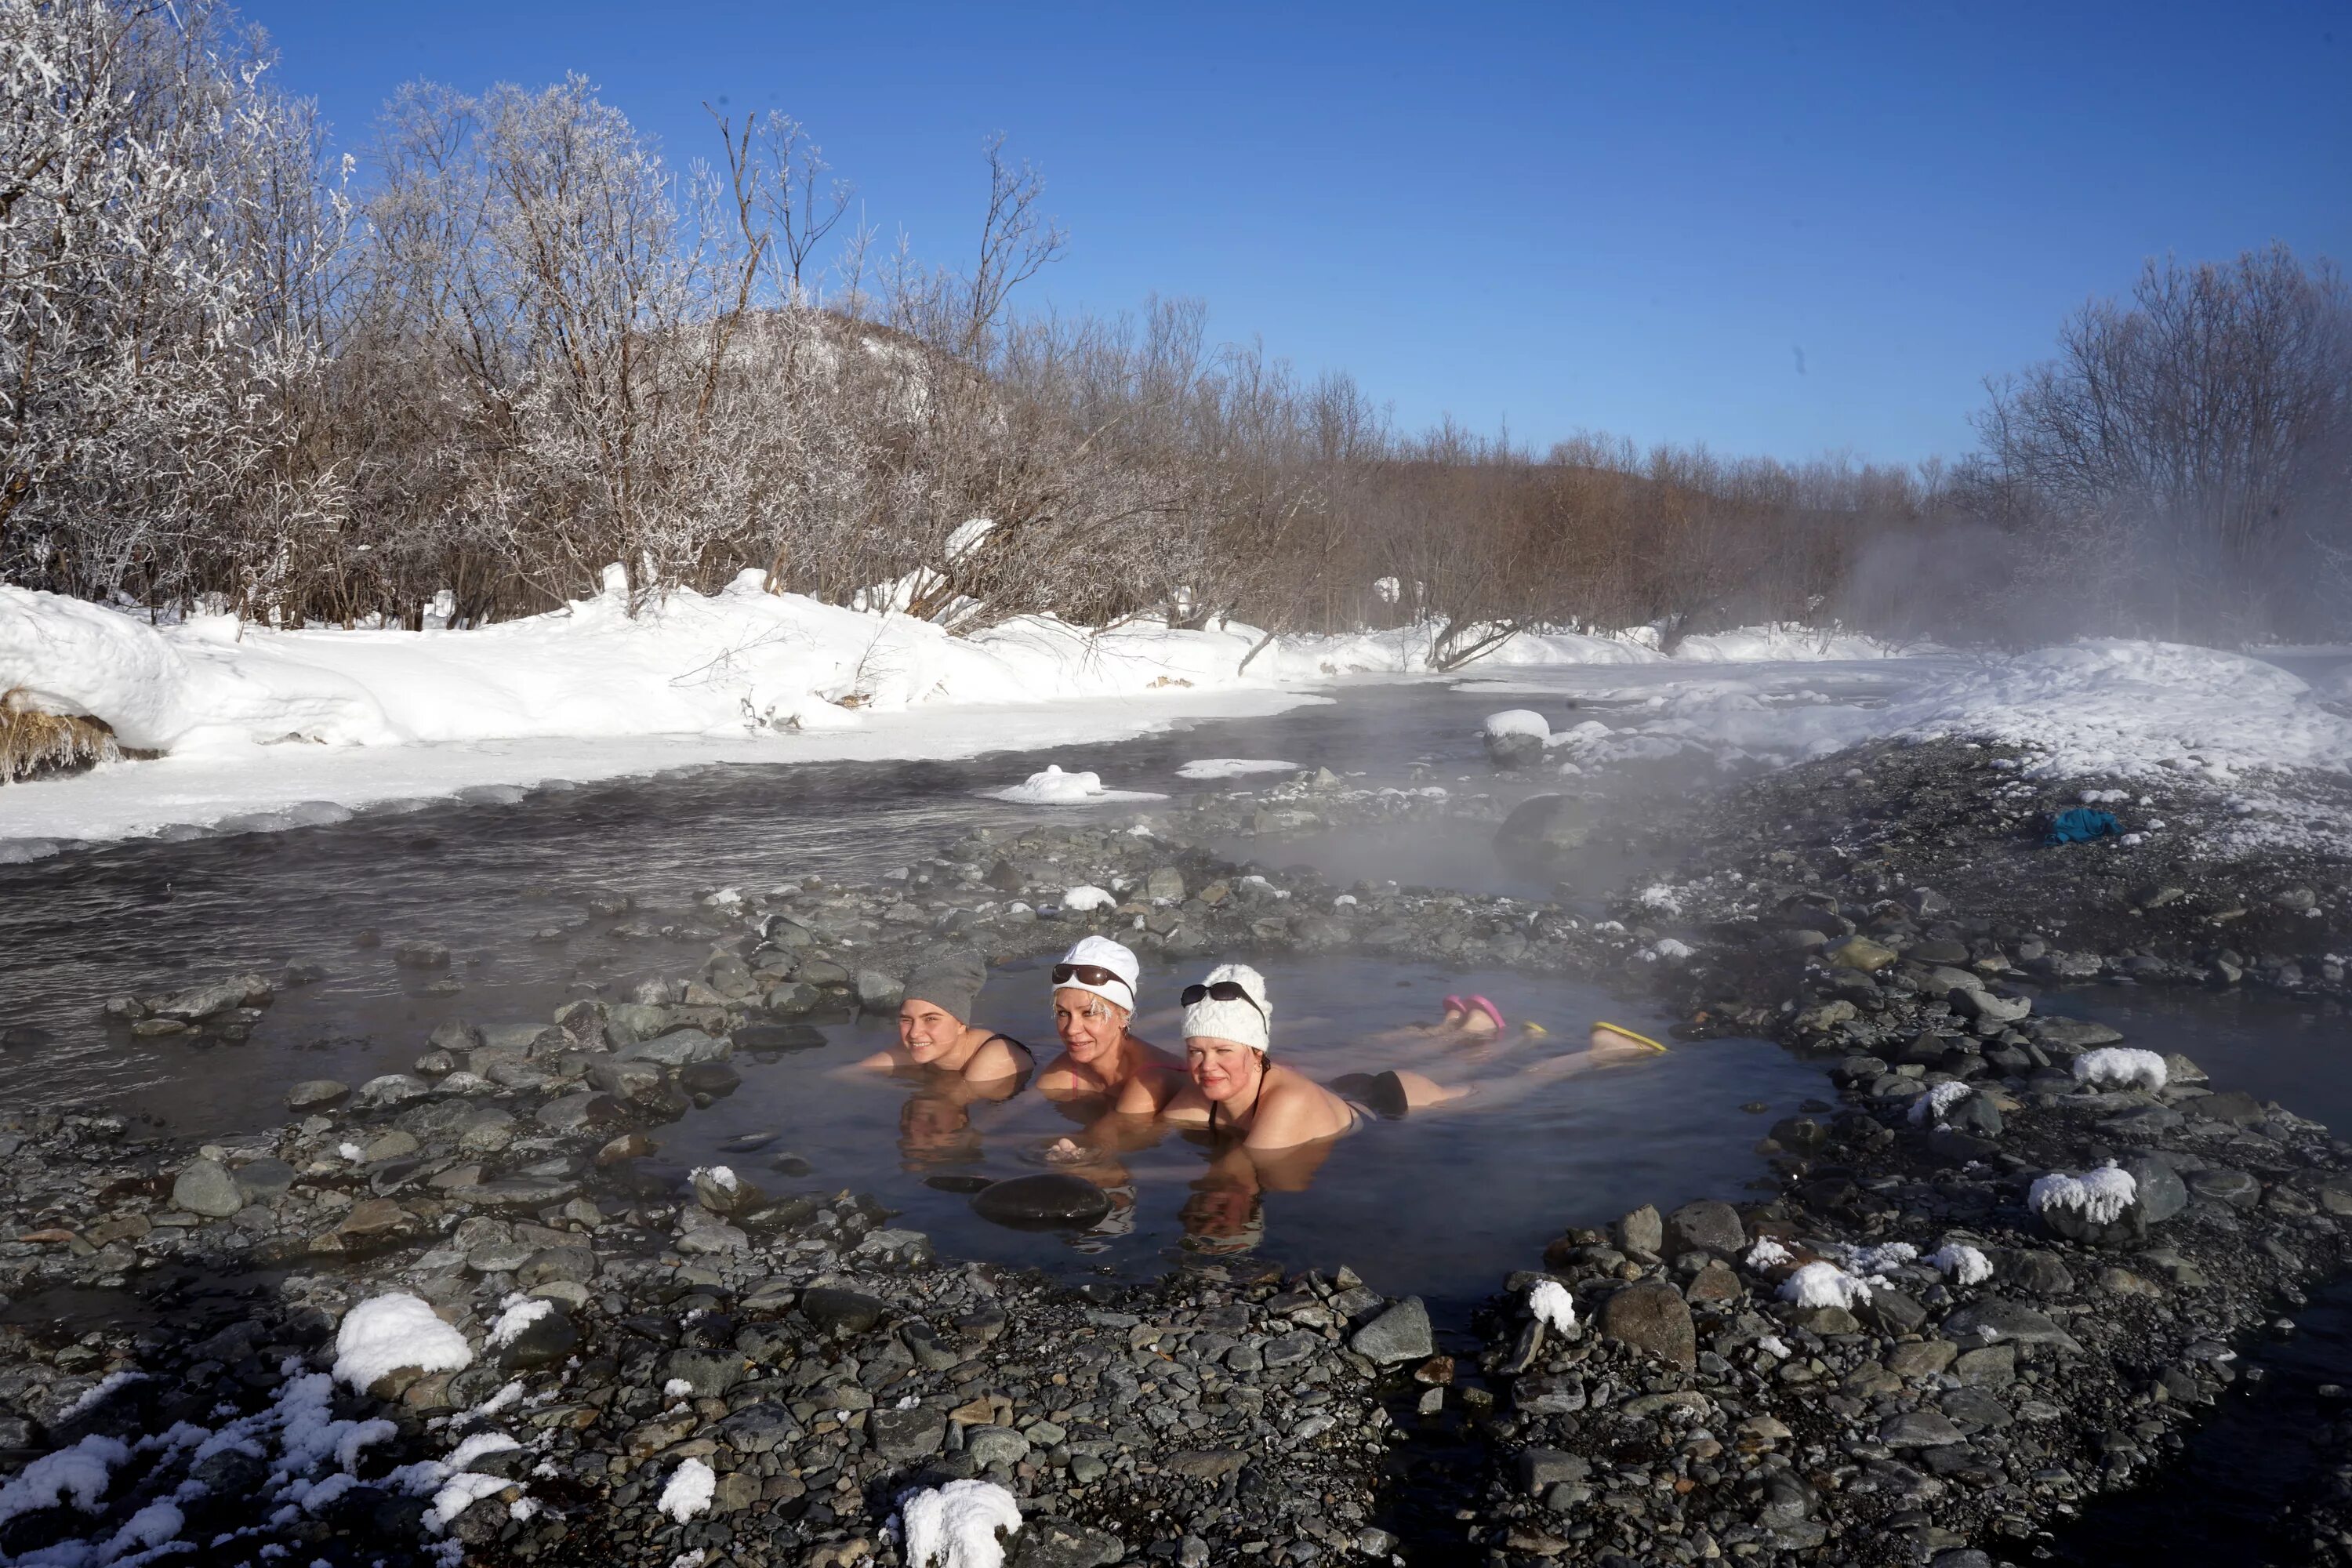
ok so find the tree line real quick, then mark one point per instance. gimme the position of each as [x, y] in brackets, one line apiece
[507, 344]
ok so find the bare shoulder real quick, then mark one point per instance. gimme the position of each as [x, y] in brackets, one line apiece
[992, 1061]
[1063, 1080]
[891, 1060]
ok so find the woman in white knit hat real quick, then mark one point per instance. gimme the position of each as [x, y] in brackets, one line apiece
[1094, 999]
[1241, 1094]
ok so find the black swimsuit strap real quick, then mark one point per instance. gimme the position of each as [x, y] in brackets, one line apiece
[1263, 1066]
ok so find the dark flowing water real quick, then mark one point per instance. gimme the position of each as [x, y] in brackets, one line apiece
[2296, 1050]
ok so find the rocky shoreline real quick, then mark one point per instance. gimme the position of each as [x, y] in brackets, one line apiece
[1920, 1349]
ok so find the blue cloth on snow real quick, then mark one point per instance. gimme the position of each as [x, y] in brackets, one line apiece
[2080, 826]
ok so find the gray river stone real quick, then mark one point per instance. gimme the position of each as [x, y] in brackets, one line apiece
[204, 1001]
[782, 1036]
[678, 1048]
[899, 1436]
[1996, 1321]
[1049, 1200]
[313, 1092]
[264, 1180]
[205, 1187]
[850, 1311]
[390, 1089]
[2224, 1186]
[1706, 1225]
[1918, 1429]
[996, 1445]
[544, 1341]
[1401, 1333]
[2161, 1193]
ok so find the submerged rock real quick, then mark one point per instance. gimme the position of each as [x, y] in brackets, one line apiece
[1047, 1201]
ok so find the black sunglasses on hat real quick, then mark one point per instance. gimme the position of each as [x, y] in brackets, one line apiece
[1223, 991]
[1090, 974]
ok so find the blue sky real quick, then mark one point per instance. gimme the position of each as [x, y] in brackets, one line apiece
[1767, 229]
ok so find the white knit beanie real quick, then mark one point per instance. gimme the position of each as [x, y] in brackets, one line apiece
[1102, 952]
[1237, 1021]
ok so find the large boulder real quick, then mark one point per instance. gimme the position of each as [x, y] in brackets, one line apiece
[1545, 825]
[1515, 738]
[1652, 1316]
[1706, 1225]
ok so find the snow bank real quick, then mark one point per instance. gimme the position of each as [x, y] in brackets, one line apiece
[1825, 1285]
[1549, 1301]
[691, 1486]
[390, 1333]
[2120, 1067]
[1768, 1254]
[1055, 787]
[1780, 644]
[956, 1525]
[1086, 898]
[2102, 1195]
[741, 659]
[1233, 767]
[2123, 707]
[77, 1475]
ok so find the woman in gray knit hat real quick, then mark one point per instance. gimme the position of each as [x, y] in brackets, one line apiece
[936, 1033]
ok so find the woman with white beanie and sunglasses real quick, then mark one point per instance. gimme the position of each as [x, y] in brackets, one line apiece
[1094, 999]
[1242, 1094]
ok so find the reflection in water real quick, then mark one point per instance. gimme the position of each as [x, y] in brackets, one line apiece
[935, 1131]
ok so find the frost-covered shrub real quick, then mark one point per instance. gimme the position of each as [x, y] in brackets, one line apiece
[1961, 1263]
[1825, 1285]
[2100, 1196]
[1940, 1097]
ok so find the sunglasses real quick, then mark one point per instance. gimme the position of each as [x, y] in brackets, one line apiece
[1090, 974]
[1223, 991]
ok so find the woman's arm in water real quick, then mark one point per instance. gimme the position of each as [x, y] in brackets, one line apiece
[1187, 1108]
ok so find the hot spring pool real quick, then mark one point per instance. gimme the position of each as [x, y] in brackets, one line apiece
[1441, 1204]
